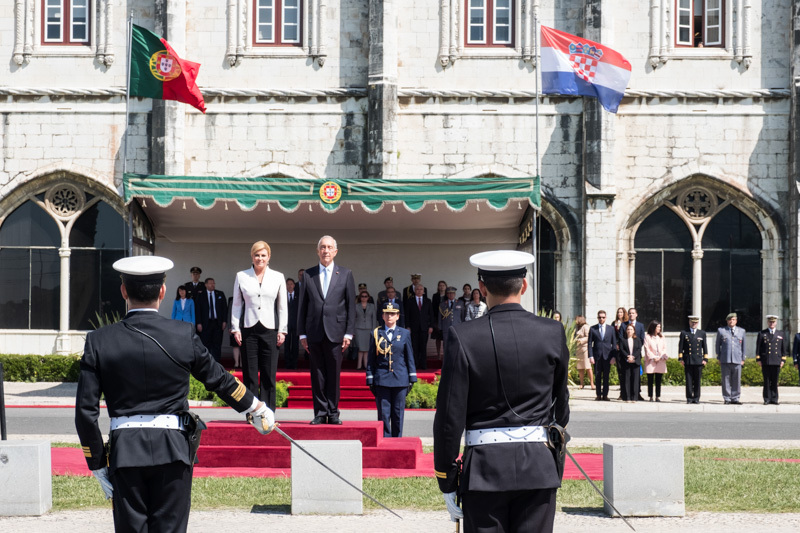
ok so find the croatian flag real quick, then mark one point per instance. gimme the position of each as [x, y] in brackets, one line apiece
[573, 65]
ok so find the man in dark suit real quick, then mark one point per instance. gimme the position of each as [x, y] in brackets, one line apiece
[504, 379]
[602, 342]
[390, 371]
[326, 322]
[211, 317]
[638, 327]
[408, 292]
[693, 355]
[392, 298]
[771, 356]
[419, 317]
[196, 286]
[290, 344]
[149, 473]
[388, 282]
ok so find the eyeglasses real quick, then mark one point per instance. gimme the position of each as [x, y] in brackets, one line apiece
[364, 296]
[601, 317]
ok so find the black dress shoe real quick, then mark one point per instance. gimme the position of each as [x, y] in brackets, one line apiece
[318, 420]
[334, 420]
[606, 399]
[736, 402]
[766, 403]
[775, 403]
[640, 398]
[727, 402]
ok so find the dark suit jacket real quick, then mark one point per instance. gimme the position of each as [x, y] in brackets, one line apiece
[408, 293]
[771, 348]
[601, 347]
[533, 360]
[330, 317]
[400, 321]
[796, 349]
[292, 310]
[624, 352]
[693, 349]
[402, 371]
[419, 320]
[113, 363]
[195, 292]
[220, 303]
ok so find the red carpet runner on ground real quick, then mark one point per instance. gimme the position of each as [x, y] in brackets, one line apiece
[234, 449]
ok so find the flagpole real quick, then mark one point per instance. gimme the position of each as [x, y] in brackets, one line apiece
[125, 130]
[535, 214]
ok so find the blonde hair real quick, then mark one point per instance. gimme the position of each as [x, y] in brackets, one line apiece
[260, 245]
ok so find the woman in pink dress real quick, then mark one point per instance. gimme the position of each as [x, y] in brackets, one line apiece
[655, 355]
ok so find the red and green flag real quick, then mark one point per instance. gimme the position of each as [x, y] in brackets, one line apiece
[158, 72]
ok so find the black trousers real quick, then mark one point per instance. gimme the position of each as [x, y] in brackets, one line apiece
[419, 343]
[325, 359]
[152, 499]
[290, 349]
[693, 375]
[391, 404]
[770, 373]
[602, 371]
[523, 511]
[260, 356]
[629, 381]
[650, 379]
[212, 338]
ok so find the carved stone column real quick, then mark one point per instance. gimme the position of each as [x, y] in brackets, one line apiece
[382, 90]
[697, 281]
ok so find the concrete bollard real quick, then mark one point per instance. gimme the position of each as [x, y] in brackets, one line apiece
[315, 490]
[27, 484]
[644, 479]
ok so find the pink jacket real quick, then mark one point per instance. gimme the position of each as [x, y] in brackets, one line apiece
[655, 354]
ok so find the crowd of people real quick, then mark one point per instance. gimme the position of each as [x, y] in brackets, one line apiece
[637, 351]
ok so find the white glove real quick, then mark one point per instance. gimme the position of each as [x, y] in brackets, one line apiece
[264, 419]
[455, 511]
[102, 477]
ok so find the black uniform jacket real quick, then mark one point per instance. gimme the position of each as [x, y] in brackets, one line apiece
[533, 361]
[395, 367]
[138, 378]
[771, 348]
[692, 349]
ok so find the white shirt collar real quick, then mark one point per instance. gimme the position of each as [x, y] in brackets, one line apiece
[329, 268]
[142, 309]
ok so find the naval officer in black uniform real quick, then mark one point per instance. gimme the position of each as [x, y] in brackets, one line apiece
[504, 378]
[390, 370]
[142, 366]
[693, 355]
[771, 349]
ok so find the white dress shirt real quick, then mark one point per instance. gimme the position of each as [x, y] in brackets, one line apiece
[259, 300]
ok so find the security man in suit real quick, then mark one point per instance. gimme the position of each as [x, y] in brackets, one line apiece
[731, 355]
[452, 311]
[602, 342]
[211, 317]
[420, 322]
[391, 372]
[504, 379]
[291, 342]
[147, 466]
[195, 287]
[771, 356]
[693, 355]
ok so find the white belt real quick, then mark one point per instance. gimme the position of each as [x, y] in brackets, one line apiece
[476, 437]
[146, 421]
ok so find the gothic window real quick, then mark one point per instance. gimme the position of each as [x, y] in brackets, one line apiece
[546, 264]
[699, 23]
[65, 22]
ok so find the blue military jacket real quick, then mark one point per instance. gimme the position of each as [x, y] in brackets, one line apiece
[391, 363]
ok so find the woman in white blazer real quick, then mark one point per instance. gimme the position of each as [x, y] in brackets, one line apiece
[264, 324]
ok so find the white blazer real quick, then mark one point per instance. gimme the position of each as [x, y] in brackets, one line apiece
[259, 300]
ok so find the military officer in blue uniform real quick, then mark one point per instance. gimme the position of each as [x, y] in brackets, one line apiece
[504, 380]
[693, 355]
[731, 355]
[771, 356]
[390, 370]
[142, 365]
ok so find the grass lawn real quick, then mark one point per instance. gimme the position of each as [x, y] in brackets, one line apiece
[743, 481]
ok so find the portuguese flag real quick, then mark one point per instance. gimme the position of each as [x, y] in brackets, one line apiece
[158, 72]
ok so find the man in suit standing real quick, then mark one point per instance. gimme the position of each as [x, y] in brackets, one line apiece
[731, 355]
[391, 297]
[211, 318]
[602, 342]
[326, 323]
[291, 343]
[390, 371]
[419, 315]
[408, 292]
[693, 355]
[196, 286]
[771, 355]
[388, 282]
[149, 473]
[504, 379]
[451, 312]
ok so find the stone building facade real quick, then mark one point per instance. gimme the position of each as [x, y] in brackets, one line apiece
[685, 201]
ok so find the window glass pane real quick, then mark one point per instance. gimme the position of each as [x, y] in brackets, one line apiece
[29, 225]
[746, 288]
[94, 287]
[476, 34]
[502, 34]
[265, 33]
[290, 33]
[290, 16]
[713, 4]
[45, 285]
[731, 229]
[663, 229]
[14, 283]
[677, 290]
[716, 290]
[53, 33]
[712, 36]
[99, 227]
[79, 33]
[683, 35]
[685, 4]
[647, 288]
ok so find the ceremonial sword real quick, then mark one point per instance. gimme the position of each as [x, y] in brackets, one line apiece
[329, 469]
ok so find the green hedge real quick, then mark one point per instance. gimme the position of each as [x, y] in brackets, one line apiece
[198, 392]
[36, 368]
[423, 395]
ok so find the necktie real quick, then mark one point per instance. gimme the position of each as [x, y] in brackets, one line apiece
[693, 332]
[450, 305]
[603, 332]
[211, 305]
[389, 334]
[324, 282]
[419, 303]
